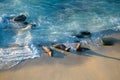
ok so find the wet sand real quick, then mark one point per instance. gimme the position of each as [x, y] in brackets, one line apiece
[102, 64]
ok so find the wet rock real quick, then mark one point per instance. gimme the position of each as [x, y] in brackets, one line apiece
[20, 18]
[107, 41]
[47, 50]
[25, 23]
[62, 47]
[83, 34]
[86, 33]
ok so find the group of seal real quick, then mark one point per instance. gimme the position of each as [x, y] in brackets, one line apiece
[78, 48]
[61, 48]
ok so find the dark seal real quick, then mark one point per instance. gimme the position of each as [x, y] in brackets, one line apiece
[62, 47]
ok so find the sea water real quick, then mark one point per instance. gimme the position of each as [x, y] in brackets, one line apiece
[56, 22]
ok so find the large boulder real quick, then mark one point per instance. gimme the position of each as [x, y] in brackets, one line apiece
[20, 18]
[108, 41]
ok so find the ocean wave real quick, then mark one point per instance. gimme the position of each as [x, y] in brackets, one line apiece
[14, 54]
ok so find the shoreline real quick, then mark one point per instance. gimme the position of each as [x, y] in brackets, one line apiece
[100, 64]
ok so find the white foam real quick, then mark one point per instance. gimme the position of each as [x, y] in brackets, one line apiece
[17, 54]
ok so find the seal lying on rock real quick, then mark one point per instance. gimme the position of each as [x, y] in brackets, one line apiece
[62, 47]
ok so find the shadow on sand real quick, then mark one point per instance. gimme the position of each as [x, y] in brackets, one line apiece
[91, 53]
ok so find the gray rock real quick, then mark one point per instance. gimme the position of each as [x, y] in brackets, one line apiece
[20, 18]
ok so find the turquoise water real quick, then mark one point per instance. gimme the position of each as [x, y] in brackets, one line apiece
[56, 21]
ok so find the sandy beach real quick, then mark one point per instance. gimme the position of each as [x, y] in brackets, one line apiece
[100, 64]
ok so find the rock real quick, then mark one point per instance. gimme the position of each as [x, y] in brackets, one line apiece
[20, 18]
[86, 33]
[47, 50]
[62, 47]
[83, 34]
[25, 23]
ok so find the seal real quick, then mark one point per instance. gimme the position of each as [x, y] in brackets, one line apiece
[78, 47]
[62, 47]
[47, 50]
